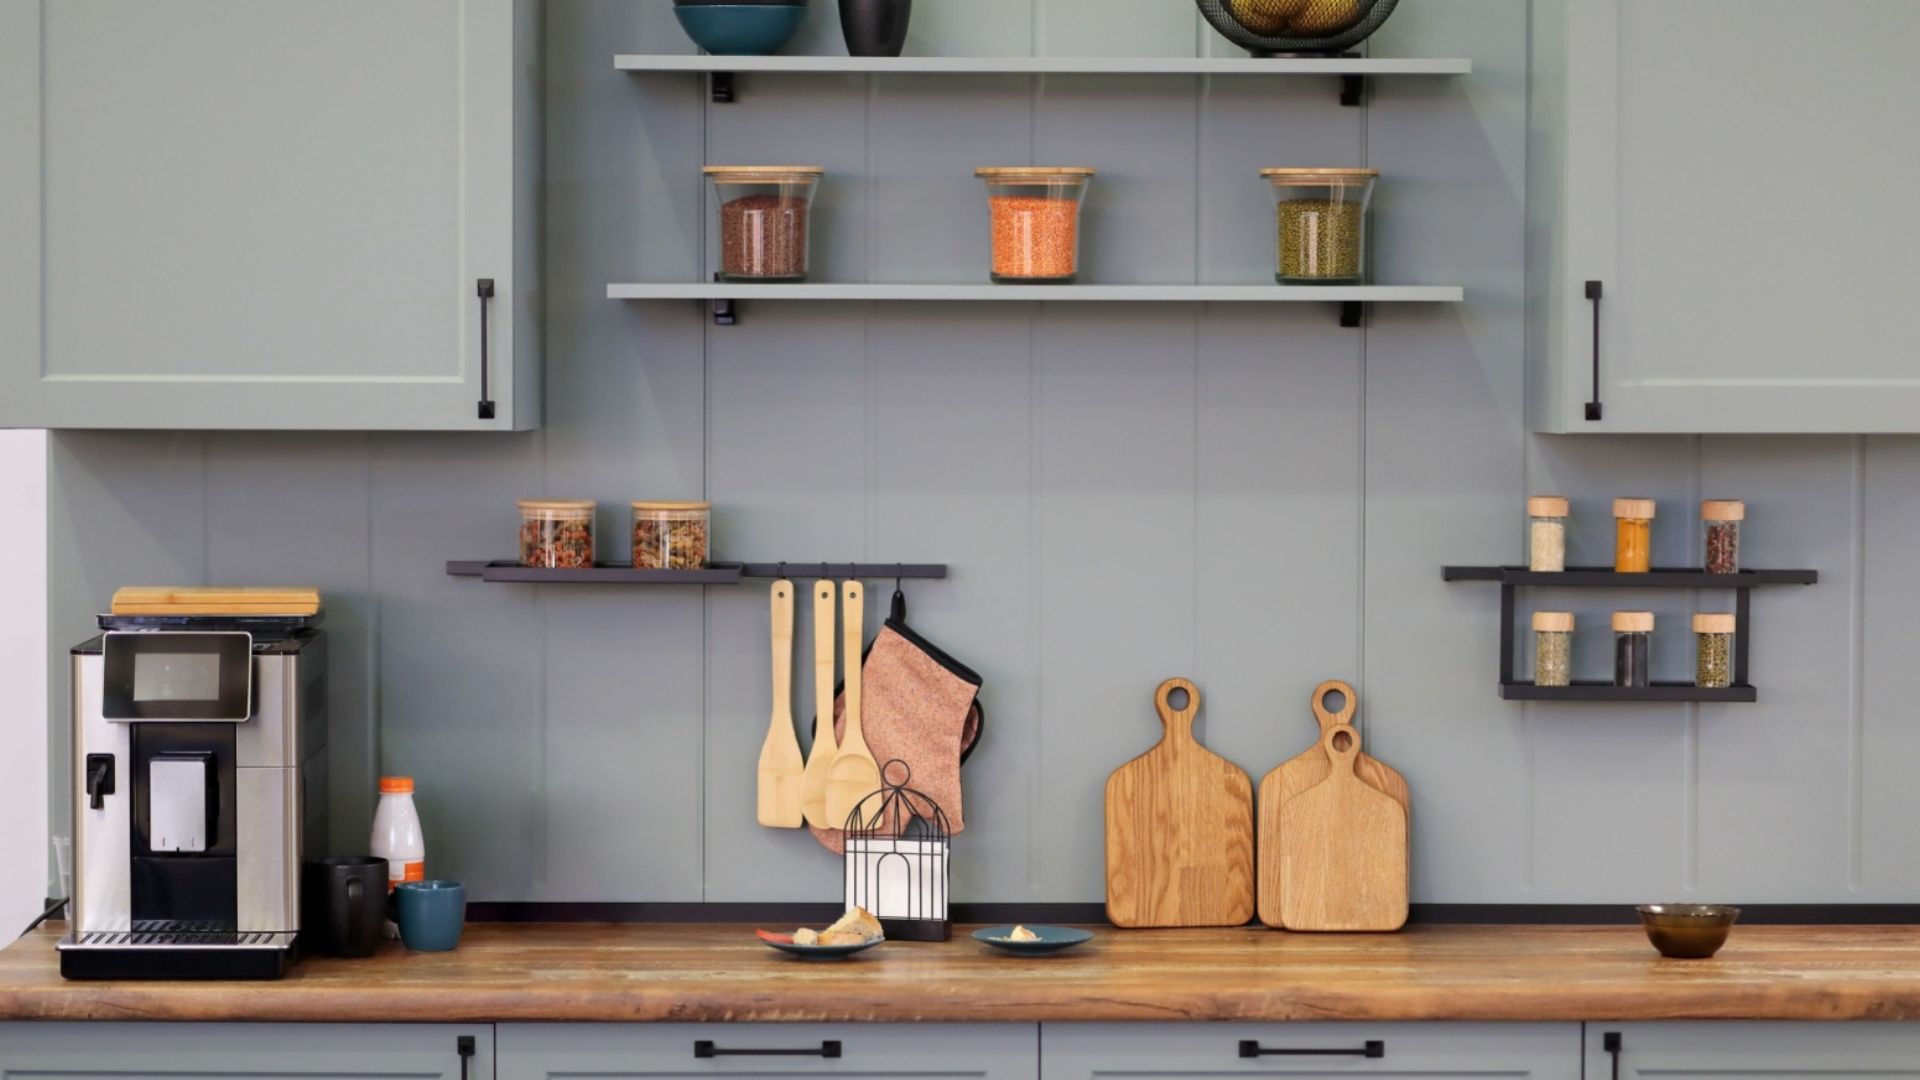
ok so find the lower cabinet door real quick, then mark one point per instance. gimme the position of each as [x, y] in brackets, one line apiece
[1162, 1051]
[1778, 1051]
[308, 1051]
[615, 1051]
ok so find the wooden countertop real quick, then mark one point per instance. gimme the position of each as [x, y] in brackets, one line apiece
[700, 973]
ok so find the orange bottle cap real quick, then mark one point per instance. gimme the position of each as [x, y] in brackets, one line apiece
[396, 785]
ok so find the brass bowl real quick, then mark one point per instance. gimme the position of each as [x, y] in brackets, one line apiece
[1688, 931]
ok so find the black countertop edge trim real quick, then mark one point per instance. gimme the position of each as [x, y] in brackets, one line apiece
[781, 914]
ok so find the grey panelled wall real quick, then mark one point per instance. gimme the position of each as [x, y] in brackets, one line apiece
[1246, 494]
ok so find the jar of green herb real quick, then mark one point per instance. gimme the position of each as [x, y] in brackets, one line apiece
[1322, 220]
[1552, 648]
[1713, 637]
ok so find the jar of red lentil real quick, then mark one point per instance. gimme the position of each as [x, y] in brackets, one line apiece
[1322, 224]
[670, 535]
[763, 219]
[1035, 216]
[556, 534]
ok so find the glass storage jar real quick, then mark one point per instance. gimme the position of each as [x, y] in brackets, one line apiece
[1722, 518]
[670, 535]
[1632, 647]
[764, 211]
[1322, 224]
[1547, 533]
[1713, 650]
[556, 534]
[1035, 217]
[1552, 648]
[1632, 535]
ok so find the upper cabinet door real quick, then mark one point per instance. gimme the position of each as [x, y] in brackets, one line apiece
[269, 214]
[1738, 175]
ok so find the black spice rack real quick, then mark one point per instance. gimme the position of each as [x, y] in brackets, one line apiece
[1512, 578]
[722, 573]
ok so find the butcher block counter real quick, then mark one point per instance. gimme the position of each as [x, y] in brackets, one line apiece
[668, 972]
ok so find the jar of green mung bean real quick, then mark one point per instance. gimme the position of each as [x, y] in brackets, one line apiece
[1322, 224]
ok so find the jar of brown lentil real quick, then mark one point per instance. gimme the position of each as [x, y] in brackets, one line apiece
[763, 219]
[670, 535]
[1713, 647]
[556, 534]
[1633, 535]
[1722, 518]
[1322, 224]
[1552, 648]
[1035, 216]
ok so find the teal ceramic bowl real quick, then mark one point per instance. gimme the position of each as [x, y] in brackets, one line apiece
[741, 29]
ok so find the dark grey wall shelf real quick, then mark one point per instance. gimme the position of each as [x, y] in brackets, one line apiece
[506, 570]
[1513, 578]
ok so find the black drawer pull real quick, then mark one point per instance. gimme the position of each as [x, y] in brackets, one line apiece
[1374, 1048]
[1610, 1043]
[704, 1048]
[486, 397]
[464, 1047]
[1593, 294]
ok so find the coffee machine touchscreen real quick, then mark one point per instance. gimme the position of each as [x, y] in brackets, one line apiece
[177, 676]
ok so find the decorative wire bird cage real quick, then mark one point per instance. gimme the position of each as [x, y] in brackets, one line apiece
[897, 842]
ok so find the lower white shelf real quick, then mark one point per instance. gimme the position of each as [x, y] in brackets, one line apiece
[1326, 294]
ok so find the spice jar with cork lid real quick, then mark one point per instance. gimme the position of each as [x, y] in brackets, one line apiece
[1713, 647]
[1322, 221]
[1632, 535]
[1722, 517]
[1552, 648]
[1034, 212]
[1547, 533]
[1632, 647]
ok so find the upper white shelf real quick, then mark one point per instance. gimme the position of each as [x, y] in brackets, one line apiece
[1042, 65]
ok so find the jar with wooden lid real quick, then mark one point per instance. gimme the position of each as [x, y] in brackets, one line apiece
[670, 535]
[1632, 647]
[1547, 533]
[1713, 649]
[764, 211]
[1632, 535]
[1552, 648]
[1034, 213]
[1322, 224]
[1722, 518]
[556, 534]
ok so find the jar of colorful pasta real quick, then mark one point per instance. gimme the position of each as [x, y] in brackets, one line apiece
[556, 534]
[670, 535]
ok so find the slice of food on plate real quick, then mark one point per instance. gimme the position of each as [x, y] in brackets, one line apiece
[853, 932]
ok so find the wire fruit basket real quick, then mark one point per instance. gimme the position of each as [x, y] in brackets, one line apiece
[1280, 27]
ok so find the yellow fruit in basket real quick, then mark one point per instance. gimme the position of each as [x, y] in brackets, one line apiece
[1325, 16]
[1265, 16]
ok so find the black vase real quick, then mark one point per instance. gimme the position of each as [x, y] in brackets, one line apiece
[875, 27]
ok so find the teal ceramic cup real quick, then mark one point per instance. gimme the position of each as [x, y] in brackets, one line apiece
[430, 914]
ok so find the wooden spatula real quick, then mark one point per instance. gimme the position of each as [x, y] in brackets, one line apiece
[855, 774]
[1343, 854]
[813, 782]
[780, 763]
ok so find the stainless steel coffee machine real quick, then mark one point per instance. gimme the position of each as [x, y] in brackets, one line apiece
[199, 777]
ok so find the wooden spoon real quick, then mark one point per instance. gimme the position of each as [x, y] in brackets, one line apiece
[855, 774]
[813, 782]
[781, 767]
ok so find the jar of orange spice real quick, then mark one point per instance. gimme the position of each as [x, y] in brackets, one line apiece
[1035, 214]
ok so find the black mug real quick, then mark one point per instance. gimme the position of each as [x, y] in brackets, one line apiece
[343, 905]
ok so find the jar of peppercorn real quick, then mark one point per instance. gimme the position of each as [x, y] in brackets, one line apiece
[556, 534]
[670, 535]
[1632, 535]
[1722, 518]
[1713, 644]
[1035, 215]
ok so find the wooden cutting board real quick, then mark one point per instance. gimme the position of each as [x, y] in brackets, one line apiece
[1343, 853]
[216, 600]
[1304, 770]
[1179, 830]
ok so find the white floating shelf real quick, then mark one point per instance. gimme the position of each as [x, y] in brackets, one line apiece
[1042, 65]
[1326, 294]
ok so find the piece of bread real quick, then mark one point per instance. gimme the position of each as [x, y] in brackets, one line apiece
[804, 936]
[857, 922]
[1021, 933]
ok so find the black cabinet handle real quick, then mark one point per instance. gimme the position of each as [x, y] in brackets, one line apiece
[704, 1048]
[1593, 294]
[1372, 1048]
[464, 1047]
[486, 398]
[1610, 1042]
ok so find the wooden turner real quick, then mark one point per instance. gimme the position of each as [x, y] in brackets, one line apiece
[855, 774]
[781, 769]
[813, 781]
[1343, 855]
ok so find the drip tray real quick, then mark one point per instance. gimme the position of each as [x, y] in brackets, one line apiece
[176, 950]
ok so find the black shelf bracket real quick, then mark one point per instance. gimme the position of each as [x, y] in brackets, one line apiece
[1353, 313]
[724, 311]
[720, 87]
[1353, 90]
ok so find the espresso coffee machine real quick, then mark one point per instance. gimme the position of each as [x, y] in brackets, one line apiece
[199, 775]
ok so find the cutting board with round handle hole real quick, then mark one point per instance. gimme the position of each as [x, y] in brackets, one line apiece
[813, 779]
[1343, 853]
[777, 791]
[1179, 830]
[1301, 772]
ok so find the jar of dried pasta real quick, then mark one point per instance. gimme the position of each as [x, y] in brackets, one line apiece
[1632, 535]
[1722, 518]
[1552, 648]
[1547, 533]
[1713, 648]
[1322, 220]
[556, 534]
[670, 535]
[1034, 212]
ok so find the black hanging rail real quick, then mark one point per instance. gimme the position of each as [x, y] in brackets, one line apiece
[720, 573]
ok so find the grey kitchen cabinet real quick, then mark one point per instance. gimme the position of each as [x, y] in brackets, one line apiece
[129, 1051]
[1160, 1051]
[1724, 1050]
[270, 214]
[619, 1051]
[1721, 169]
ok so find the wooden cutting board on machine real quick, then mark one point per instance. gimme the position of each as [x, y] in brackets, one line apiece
[216, 600]
[1304, 770]
[1343, 849]
[1179, 830]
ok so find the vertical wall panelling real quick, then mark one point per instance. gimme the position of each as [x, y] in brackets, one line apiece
[1888, 801]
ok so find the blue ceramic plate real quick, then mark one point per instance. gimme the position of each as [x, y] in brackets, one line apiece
[741, 29]
[824, 952]
[1052, 939]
